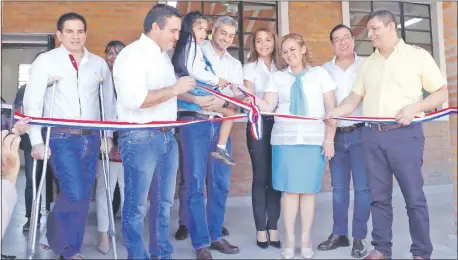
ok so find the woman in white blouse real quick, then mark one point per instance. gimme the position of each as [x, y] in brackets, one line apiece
[299, 147]
[263, 61]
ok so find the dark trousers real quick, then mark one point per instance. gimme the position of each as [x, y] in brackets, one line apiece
[265, 200]
[348, 163]
[398, 152]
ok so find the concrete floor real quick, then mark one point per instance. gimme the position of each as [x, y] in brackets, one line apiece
[240, 223]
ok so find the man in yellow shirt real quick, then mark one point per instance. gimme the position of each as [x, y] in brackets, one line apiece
[390, 84]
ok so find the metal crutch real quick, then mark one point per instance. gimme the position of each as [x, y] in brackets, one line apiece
[37, 194]
[106, 174]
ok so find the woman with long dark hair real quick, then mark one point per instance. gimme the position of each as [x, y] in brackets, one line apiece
[264, 59]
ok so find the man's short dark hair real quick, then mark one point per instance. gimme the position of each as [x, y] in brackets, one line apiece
[70, 16]
[338, 27]
[157, 14]
[384, 16]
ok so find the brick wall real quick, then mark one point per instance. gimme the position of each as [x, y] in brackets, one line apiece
[106, 20]
[450, 41]
[314, 20]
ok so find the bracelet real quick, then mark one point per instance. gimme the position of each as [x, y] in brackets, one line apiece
[329, 142]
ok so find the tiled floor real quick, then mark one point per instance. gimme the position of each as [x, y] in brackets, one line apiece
[239, 221]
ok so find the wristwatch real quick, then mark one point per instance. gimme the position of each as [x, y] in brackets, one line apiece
[226, 104]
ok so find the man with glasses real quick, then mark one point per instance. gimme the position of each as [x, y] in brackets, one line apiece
[348, 161]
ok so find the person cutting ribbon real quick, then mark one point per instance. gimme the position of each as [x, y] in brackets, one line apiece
[299, 147]
[390, 83]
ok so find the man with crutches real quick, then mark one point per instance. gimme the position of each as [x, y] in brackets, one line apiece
[73, 152]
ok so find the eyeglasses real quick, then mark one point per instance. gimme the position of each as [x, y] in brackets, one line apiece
[343, 39]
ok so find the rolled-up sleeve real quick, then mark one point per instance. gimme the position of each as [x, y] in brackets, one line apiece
[249, 72]
[326, 81]
[431, 76]
[130, 80]
[359, 87]
[34, 95]
[271, 85]
[238, 73]
[109, 98]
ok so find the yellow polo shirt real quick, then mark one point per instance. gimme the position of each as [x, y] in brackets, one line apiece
[388, 85]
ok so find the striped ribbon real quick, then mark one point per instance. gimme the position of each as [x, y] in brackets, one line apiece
[253, 115]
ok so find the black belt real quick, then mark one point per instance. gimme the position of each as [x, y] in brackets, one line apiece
[346, 129]
[72, 131]
[196, 115]
[383, 127]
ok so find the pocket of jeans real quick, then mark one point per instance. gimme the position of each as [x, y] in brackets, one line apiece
[58, 136]
[140, 137]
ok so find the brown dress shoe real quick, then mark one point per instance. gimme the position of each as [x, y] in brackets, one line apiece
[374, 254]
[334, 242]
[203, 253]
[224, 247]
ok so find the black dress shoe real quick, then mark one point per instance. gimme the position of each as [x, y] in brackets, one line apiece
[225, 232]
[8, 256]
[334, 242]
[182, 233]
[26, 226]
[359, 249]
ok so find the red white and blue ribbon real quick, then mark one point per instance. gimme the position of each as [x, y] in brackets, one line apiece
[254, 116]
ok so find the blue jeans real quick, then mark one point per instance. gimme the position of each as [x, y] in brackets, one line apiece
[74, 160]
[349, 158]
[146, 153]
[205, 222]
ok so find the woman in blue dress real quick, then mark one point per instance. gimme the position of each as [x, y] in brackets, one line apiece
[300, 148]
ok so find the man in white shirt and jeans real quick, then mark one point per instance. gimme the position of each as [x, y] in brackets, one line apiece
[197, 142]
[146, 89]
[73, 152]
[349, 155]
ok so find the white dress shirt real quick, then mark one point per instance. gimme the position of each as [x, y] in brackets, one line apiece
[195, 63]
[225, 66]
[257, 73]
[315, 83]
[76, 94]
[142, 66]
[345, 80]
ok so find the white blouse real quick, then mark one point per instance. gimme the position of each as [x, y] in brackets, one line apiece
[257, 73]
[315, 82]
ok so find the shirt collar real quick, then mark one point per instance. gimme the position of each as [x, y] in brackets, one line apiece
[85, 53]
[335, 57]
[397, 47]
[152, 45]
[209, 45]
[261, 63]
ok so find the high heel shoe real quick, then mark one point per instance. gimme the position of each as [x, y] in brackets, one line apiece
[288, 253]
[275, 244]
[264, 244]
[307, 252]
